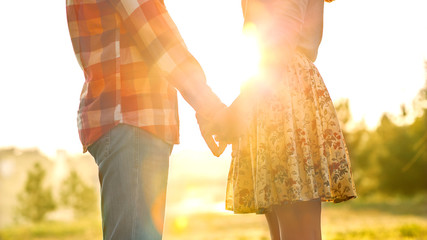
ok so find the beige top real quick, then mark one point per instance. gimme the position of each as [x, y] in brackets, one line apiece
[287, 25]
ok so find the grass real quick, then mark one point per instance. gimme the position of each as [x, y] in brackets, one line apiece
[377, 217]
[406, 231]
[361, 219]
[87, 229]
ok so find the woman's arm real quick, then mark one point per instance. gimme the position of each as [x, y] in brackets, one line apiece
[278, 24]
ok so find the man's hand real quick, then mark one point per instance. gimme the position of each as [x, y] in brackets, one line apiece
[206, 129]
[227, 126]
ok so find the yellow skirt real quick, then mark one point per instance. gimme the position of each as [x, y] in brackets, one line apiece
[294, 149]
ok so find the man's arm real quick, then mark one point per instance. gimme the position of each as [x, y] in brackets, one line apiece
[161, 46]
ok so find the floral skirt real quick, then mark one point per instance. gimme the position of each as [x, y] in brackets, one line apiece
[294, 149]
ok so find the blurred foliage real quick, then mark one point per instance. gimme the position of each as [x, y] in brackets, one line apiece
[35, 200]
[392, 159]
[75, 193]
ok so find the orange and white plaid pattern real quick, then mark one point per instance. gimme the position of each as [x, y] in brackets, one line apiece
[133, 59]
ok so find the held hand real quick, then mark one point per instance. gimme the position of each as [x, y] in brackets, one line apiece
[228, 125]
[206, 130]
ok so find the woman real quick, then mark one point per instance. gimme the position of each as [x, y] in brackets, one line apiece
[291, 154]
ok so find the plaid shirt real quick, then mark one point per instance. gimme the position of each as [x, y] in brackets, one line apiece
[133, 59]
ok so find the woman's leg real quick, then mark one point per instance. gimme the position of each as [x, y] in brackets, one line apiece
[300, 220]
[273, 225]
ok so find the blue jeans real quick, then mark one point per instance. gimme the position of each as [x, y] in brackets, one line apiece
[133, 171]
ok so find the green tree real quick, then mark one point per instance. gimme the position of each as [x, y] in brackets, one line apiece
[343, 111]
[35, 201]
[416, 166]
[357, 138]
[394, 158]
[77, 195]
[391, 159]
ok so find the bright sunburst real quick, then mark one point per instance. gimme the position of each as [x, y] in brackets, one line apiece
[250, 53]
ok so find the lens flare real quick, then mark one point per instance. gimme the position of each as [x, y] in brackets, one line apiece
[250, 53]
[180, 223]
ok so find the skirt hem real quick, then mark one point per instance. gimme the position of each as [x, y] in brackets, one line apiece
[268, 209]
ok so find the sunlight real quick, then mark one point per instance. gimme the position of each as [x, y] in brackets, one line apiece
[219, 207]
[240, 67]
[193, 204]
[250, 52]
[180, 223]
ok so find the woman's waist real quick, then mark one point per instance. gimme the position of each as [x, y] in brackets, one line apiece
[310, 53]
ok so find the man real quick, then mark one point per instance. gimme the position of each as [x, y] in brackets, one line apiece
[133, 59]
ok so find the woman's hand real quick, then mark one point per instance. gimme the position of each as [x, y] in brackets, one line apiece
[228, 124]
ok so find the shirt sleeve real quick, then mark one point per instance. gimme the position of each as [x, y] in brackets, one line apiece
[163, 48]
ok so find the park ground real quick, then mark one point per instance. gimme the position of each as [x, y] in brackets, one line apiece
[362, 219]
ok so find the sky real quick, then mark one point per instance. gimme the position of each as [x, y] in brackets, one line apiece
[372, 53]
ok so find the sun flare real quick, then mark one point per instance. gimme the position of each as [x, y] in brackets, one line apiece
[249, 54]
[240, 65]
